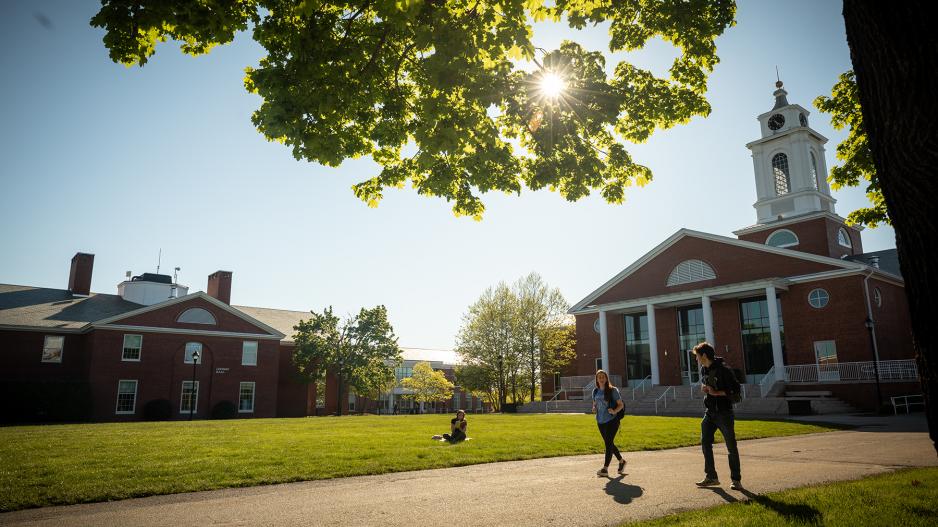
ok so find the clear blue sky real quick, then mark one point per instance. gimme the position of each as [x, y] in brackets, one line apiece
[121, 162]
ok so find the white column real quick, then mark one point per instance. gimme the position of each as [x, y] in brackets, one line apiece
[391, 402]
[604, 341]
[653, 344]
[777, 358]
[708, 320]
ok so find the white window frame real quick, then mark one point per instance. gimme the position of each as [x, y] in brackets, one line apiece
[117, 402]
[45, 346]
[244, 345]
[819, 290]
[782, 231]
[124, 348]
[253, 396]
[182, 398]
[197, 315]
[187, 358]
[877, 297]
[843, 235]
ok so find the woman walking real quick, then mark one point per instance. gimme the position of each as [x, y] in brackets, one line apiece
[606, 404]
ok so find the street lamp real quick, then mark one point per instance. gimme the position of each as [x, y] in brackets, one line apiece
[869, 329]
[195, 361]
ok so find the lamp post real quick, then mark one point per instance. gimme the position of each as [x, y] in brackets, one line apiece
[195, 362]
[869, 329]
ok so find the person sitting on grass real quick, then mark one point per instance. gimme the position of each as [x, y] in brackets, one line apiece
[457, 429]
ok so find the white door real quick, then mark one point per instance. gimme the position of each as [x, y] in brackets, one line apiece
[825, 352]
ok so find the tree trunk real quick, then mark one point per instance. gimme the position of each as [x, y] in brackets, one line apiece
[894, 49]
[338, 387]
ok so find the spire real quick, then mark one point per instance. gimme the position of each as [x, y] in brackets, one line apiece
[780, 99]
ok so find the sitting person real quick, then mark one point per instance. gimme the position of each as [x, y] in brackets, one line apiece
[457, 429]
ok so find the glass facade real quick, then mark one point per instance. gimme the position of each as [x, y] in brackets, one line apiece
[637, 350]
[757, 336]
[690, 333]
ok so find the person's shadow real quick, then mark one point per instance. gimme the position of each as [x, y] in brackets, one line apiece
[622, 492]
[791, 512]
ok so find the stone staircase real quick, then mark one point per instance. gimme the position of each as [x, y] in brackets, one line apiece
[688, 401]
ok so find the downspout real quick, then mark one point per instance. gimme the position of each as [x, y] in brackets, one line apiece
[869, 312]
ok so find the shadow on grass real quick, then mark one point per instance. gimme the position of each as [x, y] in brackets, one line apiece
[622, 492]
[791, 512]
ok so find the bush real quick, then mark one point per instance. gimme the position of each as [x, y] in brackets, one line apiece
[158, 410]
[45, 401]
[224, 410]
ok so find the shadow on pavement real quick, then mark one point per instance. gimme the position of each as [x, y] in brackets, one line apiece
[622, 492]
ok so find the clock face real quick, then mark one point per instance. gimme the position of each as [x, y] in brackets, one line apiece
[776, 121]
[804, 119]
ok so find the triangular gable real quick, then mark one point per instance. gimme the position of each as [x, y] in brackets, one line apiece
[164, 314]
[649, 273]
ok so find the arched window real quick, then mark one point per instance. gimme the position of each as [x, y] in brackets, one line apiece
[780, 171]
[782, 238]
[197, 315]
[690, 271]
[843, 238]
[818, 298]
[814, 179]
[878, 297]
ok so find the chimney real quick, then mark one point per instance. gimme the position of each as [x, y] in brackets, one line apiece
[219, 286]
[874, 261]
[79, 277]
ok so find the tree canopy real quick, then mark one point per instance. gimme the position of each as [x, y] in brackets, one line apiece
[427, 385]
[437, 92]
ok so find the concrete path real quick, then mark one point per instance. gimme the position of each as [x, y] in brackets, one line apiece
[558, 491]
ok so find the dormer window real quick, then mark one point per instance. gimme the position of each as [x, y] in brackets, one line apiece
[781, 174]
[843, 238]
[690, 271]
[197, 315]
[782, 238]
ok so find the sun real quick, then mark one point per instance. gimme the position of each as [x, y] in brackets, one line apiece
[552, 85]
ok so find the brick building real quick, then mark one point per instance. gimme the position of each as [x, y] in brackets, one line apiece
[791, 299]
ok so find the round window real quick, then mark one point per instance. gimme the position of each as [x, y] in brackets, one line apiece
[878, 297]
[596, 326]
[818, 298]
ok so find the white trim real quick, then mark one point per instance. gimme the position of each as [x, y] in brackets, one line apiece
[674, 238]
[182, 392]
[177, 331]
[819, 290]
[197, 312]
[44, 329]
[124, 347]
[790, 131]
[782, 231]
[849, 244]
[256, 350]
[118, 397]
[695, 294]
[253, 396]
[824, 275]
[792, 220]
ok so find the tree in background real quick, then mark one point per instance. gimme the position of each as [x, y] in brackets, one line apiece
[489, 339]
[344, 79]
[361, 351]
[426, 385]
[478, 381]
[375, 378]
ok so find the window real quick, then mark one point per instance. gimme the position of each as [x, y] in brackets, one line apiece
[814, 179]
[690, 271]
[193, 347]
[403, 372]
[52, 348]
[780, 171]
[828, 369]
[878, 297]
[818, 298]
[132, 346]
[596, 326]
[197, 315]
[691, 331]
[843, 238]
[637, 350]
[246, 398]
[782, 238]
[249, 353]
[556, 382]
[126, 397]
[756, 333]
[189, 400]
[599, 364]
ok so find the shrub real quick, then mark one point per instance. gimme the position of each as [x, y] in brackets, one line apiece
[158, 410]
[224, 410]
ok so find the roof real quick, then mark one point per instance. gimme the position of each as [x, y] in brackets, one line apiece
[42, 307]
[430, 355]
[888, 260]
[282, 320]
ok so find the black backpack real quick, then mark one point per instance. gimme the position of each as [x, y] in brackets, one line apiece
[621, 413]
[733, 391]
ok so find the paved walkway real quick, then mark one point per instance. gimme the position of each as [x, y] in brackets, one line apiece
[558, 491]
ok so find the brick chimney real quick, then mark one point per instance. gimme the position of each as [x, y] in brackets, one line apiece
[79, 277]
[219, 286]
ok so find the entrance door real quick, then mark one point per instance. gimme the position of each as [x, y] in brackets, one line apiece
[693, 368]
[825, 352]
[690, 333]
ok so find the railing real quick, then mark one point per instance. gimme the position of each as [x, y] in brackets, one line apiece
[664, 397]
[889, 370]
[906, 402]
[769, 380]
[552, 399]
[641, 385]
[583, 384]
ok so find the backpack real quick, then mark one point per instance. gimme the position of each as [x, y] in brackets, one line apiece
[621, 413]
[733, 391]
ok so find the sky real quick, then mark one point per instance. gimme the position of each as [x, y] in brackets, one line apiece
[127, 162]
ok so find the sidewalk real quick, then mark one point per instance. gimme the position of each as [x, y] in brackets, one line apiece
[555, 491]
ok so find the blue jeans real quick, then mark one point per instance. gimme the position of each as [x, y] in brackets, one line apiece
[724, 421]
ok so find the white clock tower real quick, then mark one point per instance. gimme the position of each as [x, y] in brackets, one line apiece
[791, 174]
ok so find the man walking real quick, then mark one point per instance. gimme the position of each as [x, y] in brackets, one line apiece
[721, 388]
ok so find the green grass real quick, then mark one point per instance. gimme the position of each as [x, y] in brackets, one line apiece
[62, 464]
[908, 498]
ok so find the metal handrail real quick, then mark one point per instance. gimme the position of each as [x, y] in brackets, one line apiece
[664, 396]
[769, 376]
[558, 392]
[640, 385]
[907, 402]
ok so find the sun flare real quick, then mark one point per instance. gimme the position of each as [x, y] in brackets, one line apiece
[552, 85]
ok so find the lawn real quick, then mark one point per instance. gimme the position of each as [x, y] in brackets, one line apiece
[62, 464]
[908, 498]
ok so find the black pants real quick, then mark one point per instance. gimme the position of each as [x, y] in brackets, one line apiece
[458, 435]
[609, 431]
[724, 421]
